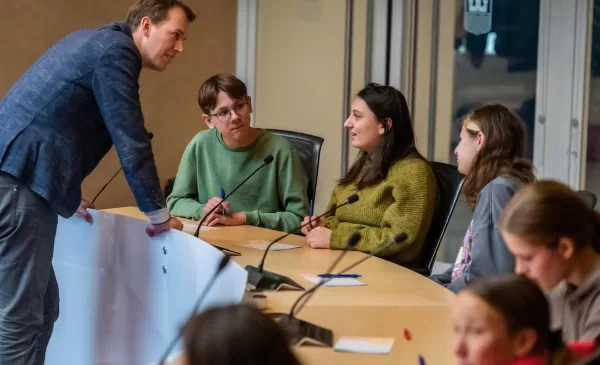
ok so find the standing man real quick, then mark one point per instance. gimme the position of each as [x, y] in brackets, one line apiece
[56, 124]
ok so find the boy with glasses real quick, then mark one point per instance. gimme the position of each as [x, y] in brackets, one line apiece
[217, 159]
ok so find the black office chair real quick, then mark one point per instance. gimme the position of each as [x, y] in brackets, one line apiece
[450, 183]
[588, 197]
[169, 187]
[308, 148]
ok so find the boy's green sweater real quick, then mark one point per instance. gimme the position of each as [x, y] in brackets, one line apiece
[275, 197]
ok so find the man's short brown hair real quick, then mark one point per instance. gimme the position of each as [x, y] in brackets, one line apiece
[157, 10]
[207, 96]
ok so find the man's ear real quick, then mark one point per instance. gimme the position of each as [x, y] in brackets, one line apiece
[145, 24]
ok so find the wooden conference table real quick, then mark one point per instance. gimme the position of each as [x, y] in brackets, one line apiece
[394, 298]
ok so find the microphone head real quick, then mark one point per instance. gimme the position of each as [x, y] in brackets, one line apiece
[268, 159]
[223, 263]
[353, 240]
[150, 135]
[400, 237]
[352, 198]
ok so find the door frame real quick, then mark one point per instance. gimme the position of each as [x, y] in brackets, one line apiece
[561, 105]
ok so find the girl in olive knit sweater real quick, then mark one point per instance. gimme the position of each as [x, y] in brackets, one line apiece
[396, 185]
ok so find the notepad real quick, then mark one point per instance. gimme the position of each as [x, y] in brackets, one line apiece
[335, 281]
[191, 228]
[365, 345]
[262, 245]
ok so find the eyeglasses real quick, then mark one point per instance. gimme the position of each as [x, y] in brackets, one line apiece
[224, 116]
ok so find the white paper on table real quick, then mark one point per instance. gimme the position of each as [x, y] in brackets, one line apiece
[364, 345]
[335, 281]
[117, 305]
[262, 245]
[191, 228]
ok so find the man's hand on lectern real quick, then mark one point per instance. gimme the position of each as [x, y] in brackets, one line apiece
[172, 223]
[82, 210]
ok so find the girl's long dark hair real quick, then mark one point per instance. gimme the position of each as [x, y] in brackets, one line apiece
[398, 142]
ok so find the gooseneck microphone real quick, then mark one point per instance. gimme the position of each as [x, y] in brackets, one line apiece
[304, 332]
[224, 261]
[351, 243]
[267, 160]
[399, 238]
[351, 199]
[266, 280]
[150, 135]
[396, 239]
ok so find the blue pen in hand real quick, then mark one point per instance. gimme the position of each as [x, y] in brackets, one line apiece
[223, 197]
[331, 276]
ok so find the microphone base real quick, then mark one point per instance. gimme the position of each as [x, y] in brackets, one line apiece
[267, 280]
[255, 299]
[303, 333]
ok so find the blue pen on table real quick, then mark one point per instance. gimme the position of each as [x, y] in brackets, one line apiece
[331, 276]
[223, 197]
[421, 360]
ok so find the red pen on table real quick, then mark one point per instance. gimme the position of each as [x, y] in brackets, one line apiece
[406, 334]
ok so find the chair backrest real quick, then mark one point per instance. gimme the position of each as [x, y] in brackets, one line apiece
[588, 197]
[450, 183]
[169, 187]
[308, 148]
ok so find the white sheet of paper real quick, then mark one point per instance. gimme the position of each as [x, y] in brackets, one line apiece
[118, 305]
[364, 345]
[262, 245]
[191, 228]
[335, 281]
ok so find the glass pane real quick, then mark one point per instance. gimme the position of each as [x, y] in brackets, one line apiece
[592, 168]
[499, 66]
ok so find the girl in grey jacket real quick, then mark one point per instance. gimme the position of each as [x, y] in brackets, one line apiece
[491, 154]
